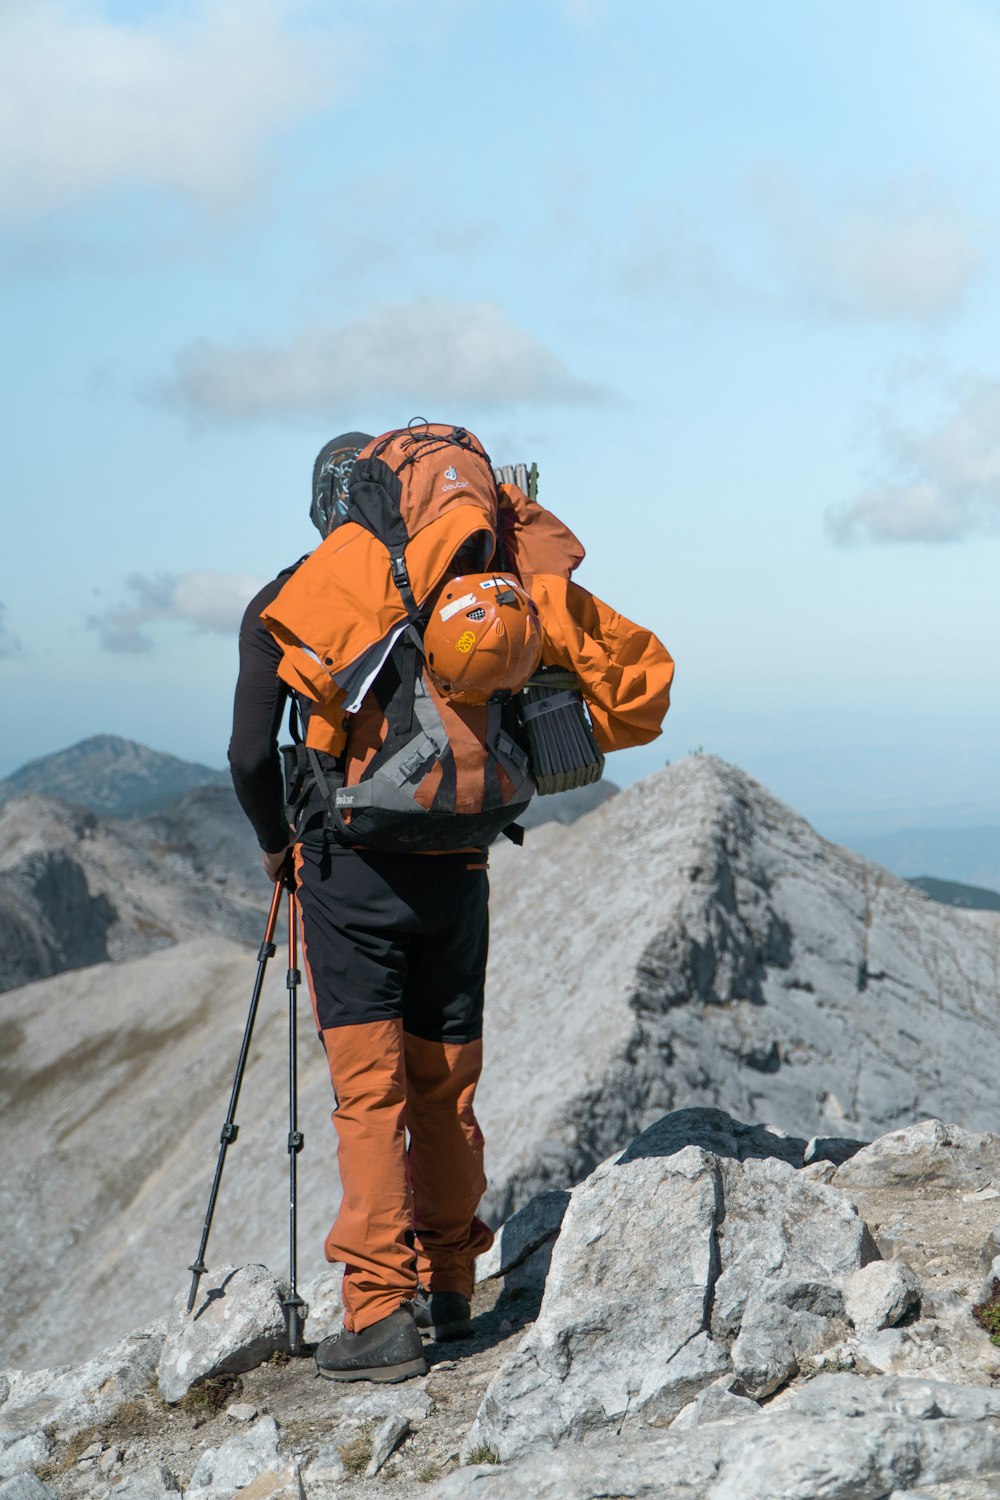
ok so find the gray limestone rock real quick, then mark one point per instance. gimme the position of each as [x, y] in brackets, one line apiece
[834, 1149]
[840, 1438]
[325, 1469]
[241, 1411]
[236, 1325]
[70, 1398]
[775, 1338]
[928, 1155]
[670, 1270]
[624, 1322]
[375, 1403]
[781, 1227]
[878, 1295]
[387, 1438]
[155, 1482]
[716, 1403]
[717, 1132]
[25, 1487]
[237, 1462]
[523, 1233]
[21, 1450]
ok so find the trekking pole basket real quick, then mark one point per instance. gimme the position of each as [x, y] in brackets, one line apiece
[563, 751]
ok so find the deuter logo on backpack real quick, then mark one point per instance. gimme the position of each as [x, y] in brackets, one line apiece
[454, 482]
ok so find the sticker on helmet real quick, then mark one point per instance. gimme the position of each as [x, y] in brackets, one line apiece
[498, 583]
[466, 642]
[455, 605]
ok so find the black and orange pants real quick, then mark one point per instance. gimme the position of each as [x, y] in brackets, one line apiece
[394, 949]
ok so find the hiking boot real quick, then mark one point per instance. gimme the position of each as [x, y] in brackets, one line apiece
[442, 1315]
[388, 1351]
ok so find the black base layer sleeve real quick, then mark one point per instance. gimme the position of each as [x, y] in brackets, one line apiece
[257, 710]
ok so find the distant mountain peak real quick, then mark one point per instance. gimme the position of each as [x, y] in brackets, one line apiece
[111, 775]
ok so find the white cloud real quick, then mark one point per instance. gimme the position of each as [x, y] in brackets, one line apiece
[9, 644]
[906, 252]
[187, 100]
[206, 601]
[416, 356]
[942, 482]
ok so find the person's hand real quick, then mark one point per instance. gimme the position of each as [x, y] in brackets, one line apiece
[274, 864]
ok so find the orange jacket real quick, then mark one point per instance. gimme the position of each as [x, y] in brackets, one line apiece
[336, 616]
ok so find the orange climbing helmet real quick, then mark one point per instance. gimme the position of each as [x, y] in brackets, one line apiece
[483, 637]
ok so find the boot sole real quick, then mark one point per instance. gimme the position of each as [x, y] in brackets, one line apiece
[383, 1374]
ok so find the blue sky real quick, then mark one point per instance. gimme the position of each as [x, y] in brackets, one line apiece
[729, 273]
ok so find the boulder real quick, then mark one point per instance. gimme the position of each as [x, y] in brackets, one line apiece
[237, 1462]
[929, 1155]
[878, 1295]
[670, 1271]
[237, 1325]
[68, 1399]
[528, 1230]
[624, 1320]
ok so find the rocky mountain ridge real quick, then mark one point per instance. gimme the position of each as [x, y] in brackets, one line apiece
[110, 850]
[78, 888]
[696, 942]
[726, 956]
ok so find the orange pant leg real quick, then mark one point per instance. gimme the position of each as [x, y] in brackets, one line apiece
[446, 1160]
[373, 1232]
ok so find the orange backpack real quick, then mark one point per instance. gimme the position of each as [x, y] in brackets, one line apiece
[415, 770]
[389, 762]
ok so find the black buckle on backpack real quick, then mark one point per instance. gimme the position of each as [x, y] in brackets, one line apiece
[401, 579]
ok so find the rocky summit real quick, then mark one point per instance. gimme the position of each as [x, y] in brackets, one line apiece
[692, 943]
[711, 1314]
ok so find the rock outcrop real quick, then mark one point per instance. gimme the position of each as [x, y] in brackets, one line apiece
[709, 1330]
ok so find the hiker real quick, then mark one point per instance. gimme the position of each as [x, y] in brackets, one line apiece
[402, 641]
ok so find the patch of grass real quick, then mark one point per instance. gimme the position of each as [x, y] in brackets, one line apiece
[129, 1416]
[987, 1314]
[429, 1473]
[356, 1455]
[210, 1395]
[54, 1467]
[484, 1454]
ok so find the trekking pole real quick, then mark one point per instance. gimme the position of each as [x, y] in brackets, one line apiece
[230, 1130]
[293, 1302]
